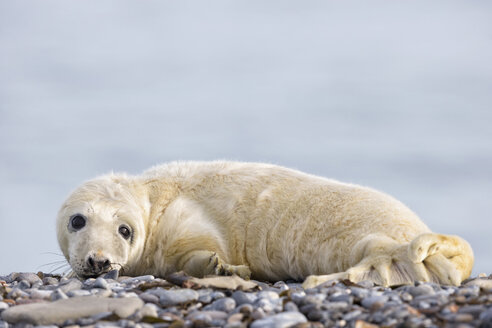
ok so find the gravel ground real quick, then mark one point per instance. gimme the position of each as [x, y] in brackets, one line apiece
[28, 299]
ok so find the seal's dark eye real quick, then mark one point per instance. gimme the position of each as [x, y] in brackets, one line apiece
[77, 221]
[124, 231]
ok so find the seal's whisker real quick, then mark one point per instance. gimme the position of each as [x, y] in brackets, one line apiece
[59, 267]
[53, 263]
[52, 253]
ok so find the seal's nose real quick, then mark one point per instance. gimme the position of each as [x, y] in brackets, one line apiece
[98, 264]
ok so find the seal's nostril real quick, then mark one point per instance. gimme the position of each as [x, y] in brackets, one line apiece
[91, 263]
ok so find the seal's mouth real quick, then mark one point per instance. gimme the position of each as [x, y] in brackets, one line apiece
[112, 273]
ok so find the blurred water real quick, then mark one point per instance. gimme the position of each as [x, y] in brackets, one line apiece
[394, 95]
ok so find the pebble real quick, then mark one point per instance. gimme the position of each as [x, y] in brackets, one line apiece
[59, 311]
[58, 294]
[374, 302]
[225, 304]
[423, 289]
[71, 284]
[281, 320]
[282, 304]
[29, 277]
[177, 296]
[100, 283]
[244, 298]
[113, 274]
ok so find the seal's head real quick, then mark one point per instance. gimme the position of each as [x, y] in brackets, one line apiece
[101, 226]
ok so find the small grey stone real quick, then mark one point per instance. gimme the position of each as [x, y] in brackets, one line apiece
[50, 281]
[126, 294]
[317, 315]
[458, 317]
[257, 313]
[406, 297]
[149, 310]
[335, 306]
[138, 279]
[298, 297]
[16, 293]
[11, 277]
[314, 299]
[352, 315]
[374, 302]
[200, 319]
[225, 304]
[100, 283]
[41, 294]
[290, 307]
[113, 274]
[469, 291]
[78, 293]
[57, 295]
[217, 295]
[102, 292]
[85, 321]
[359, 293]
[70, 284]
[3, 324]
[486, 316]
[3, 306]
[205, 299]
[23, 284]
[266, 304]
[474, 310]
[29, 277]
[149, 298]
[175, 297]
[271, 295]
[420, 290]
[281, 285]
[281, 320]
[245, 308]
[243, 298]
[347, 298]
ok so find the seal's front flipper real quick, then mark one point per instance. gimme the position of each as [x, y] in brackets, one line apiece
[218, 267]
[204, 263]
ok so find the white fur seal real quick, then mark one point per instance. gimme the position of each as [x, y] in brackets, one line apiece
[251, 219]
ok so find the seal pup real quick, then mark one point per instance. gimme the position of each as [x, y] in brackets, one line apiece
[254, 220]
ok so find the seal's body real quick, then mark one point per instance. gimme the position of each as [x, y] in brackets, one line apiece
[252, 219]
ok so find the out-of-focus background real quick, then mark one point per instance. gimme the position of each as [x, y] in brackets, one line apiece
[395, 95]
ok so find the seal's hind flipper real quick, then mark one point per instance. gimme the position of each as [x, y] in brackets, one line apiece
[429, 257]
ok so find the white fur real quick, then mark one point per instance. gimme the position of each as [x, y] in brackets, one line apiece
[272, 222]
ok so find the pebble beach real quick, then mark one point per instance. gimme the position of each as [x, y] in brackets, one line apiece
[38, 299]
